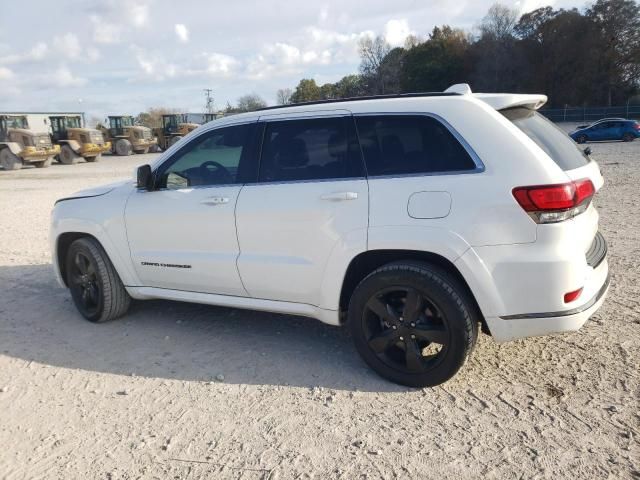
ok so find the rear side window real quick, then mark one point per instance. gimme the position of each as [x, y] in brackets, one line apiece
[555, 142]
[310, 149]
[410, 144]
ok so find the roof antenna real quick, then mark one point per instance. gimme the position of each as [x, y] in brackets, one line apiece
[461, 88]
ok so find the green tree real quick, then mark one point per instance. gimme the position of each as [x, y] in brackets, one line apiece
[306, 91]
[437, 63]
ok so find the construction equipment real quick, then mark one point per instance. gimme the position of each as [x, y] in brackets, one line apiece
[174, 127]
[19, 145]
[127, 138]
[76, 142]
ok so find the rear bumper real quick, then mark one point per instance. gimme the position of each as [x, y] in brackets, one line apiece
[512, 327]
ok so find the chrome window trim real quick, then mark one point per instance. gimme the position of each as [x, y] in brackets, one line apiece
[319, 180]
[474, 156]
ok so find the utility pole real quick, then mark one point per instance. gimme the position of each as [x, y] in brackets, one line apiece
[208, 106]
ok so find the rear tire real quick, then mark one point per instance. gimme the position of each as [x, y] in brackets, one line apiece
[123, 147]
[95, 286]
[142, 152]
[10, 161]
[68, 156]
[94, 159]
[628, 137]
[44, 164]
[413, 323]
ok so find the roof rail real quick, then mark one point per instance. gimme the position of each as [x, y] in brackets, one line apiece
[357, 99]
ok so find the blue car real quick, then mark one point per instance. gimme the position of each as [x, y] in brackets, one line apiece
[607, 129]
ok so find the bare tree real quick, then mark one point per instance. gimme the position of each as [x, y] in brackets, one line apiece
[283, 96]
[372, 53]
[250, 102]
[499, 22]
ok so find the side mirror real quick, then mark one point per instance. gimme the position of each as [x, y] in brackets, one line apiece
[145, 177]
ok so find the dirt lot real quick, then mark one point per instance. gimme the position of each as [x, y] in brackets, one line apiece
[139, 398]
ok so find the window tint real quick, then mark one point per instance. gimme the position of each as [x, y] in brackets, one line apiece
[409, 144]
[216, 158]
[555, 142]
[310, 149]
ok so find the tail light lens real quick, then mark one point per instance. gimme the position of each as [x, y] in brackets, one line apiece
[636, 126]
[555, 203]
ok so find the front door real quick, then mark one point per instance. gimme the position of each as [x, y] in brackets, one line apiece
[182, 235]
[310, 202]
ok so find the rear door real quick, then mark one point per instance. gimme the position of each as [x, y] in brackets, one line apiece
[310, 200]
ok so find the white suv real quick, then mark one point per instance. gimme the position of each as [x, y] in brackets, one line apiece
[414, 220]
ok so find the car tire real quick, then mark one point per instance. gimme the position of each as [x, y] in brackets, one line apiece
[581, 139]
[9, 160]
[628, 137]
[96, 288]
[394, 341]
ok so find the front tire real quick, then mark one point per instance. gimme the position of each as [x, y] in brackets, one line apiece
[628, 137]
[413, 323]
[10, 161]
[123, 147]
[68, 156]
[94, 159]
[96, 288]
[581, 139]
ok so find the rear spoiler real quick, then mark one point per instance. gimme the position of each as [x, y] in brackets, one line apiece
[501, 101]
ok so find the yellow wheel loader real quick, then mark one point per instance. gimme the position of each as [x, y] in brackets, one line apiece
[174, 127]
[127, 138]
[75, 141]
[19, 145]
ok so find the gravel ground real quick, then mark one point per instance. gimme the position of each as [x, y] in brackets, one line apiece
[189, 391]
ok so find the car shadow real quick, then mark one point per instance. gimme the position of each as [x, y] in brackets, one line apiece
[172, 340]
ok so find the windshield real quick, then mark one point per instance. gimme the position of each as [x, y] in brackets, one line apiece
[127, 121]
[555, 142]
[73, 122]
[17, 122]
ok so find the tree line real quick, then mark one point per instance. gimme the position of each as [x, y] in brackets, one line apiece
[576, 58]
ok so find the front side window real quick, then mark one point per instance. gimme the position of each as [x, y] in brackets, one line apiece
[218, 157]
[410, 144]
[310, 149]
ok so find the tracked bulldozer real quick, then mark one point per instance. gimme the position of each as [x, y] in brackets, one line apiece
[19, 145]
[127, 138]
[75, 141]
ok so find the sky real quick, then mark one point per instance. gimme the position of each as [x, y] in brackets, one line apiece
[124, 56]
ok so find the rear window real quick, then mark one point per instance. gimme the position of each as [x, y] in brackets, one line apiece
[555, 142]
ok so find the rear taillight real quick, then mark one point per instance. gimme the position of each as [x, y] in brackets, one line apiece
[555, 203]
[636, 126]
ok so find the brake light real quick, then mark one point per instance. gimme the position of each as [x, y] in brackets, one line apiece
[636, 126]
[571, 296]
[555, 203]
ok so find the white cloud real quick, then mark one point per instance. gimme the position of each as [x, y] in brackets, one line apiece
[68, 45]
[6, 74]
[105, 32]
[63, 78]
[182, 32]
[37, 53]
[396, 31]
[138, 13]
[220, 65]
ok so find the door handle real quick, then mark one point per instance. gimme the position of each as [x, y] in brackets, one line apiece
[339, 196]
[215, 200]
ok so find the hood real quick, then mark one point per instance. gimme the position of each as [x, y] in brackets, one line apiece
[95, 191]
